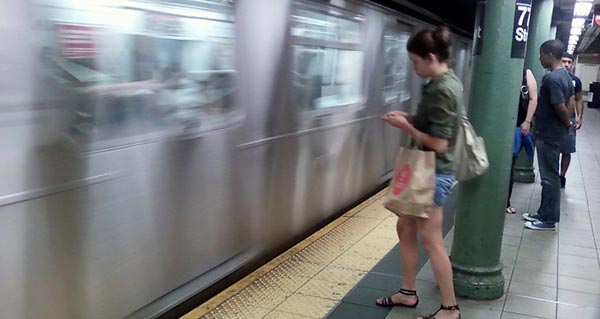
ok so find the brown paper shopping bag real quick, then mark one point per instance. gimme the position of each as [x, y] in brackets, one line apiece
[412, 187]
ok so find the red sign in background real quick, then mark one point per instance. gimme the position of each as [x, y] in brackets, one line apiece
[77, 41]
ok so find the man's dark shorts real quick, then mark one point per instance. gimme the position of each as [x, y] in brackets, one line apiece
[569, 146]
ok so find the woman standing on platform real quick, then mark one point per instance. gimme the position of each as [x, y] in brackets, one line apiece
[435, 127]
[523, 136]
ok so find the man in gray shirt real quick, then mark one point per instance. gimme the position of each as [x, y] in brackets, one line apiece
[552, 125]
[576, 117]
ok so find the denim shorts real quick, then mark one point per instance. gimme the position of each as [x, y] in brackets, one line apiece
[568, 146]
[443, 186]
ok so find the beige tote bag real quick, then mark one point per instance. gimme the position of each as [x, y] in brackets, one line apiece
[412, 187]
[470, 156]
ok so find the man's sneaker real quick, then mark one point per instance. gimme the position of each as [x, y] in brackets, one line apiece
[539, 225]
[531, 217]
[563, 181]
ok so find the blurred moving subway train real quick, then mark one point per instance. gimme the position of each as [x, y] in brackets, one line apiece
[150, 148]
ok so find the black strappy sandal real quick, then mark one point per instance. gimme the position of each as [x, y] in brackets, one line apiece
[442, 307]
[388, 302]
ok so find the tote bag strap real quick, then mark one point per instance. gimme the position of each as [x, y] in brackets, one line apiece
[414, 142]
[461, 113]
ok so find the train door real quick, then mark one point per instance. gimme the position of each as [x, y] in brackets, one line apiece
[326, 84]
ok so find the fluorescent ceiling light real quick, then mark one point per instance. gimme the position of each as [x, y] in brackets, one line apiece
[582, 9]
[574, 37]
[575, 31]
[578, 23]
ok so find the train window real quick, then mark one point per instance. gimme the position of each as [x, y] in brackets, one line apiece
[327, 59]
[326, 77]
[140, 69]
[316, 25]
[459, 67]
[396, 85]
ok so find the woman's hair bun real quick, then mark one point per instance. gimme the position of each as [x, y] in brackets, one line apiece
[436, 41]
[441, 37]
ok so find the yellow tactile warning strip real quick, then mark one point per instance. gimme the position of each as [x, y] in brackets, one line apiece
[309, 279]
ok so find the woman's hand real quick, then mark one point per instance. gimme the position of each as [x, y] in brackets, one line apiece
[401, 113]
[398, 119]
[525, 127]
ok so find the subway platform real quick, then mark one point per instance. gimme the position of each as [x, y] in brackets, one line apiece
[339, 271]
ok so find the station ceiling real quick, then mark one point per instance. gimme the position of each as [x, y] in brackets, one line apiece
[461, 15]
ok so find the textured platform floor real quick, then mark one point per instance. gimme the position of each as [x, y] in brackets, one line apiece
[311, 278]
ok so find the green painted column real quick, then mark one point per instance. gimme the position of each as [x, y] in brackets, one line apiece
[539, 32]
[479, 222]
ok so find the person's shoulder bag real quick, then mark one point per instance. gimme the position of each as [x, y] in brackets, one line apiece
[470, 156]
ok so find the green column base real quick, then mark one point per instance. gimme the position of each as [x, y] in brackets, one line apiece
[480, 283]
[523, 171]
[524, 175]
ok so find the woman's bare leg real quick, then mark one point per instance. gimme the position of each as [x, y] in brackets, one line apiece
[406, 228]
[430, 231]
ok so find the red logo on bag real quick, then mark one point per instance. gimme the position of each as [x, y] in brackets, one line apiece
[401, 180]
